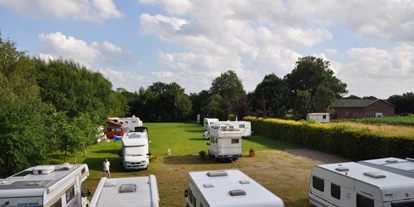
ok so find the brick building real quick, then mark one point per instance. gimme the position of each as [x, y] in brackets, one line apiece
[361, 108]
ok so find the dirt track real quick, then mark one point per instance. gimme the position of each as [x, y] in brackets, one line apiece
[317, 156]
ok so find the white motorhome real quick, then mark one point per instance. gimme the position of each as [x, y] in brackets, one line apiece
[135, 153]
[46, 185]
[225, 144]
[354, 184]
[128, 123]
[130, 191]
[319, 117]
[245, 127]
[227, 188]
[209, 121]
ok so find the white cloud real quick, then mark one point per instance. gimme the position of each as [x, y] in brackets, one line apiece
[46, 57]
[59, 45]
[127, 80]
[79, 9]
[331, 51]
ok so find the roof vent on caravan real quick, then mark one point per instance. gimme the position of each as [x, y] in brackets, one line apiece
[342, 169]
[374, 175]
[208, 185]
[43, 169]
[34, 183]
[217, 173]
[110, 184]
[237, 192]
[66, 166]
[244, 182]
[391, 161]
[128, 188]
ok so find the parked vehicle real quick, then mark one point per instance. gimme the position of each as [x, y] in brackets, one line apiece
[46, 185]
[355, 184]
[209, 121]
[245, 127]
[114, 129]
[227, 188]
[135, 153]
[129, 191]
[128, 123]
[225, 144]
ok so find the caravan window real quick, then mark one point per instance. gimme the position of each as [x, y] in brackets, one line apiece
[318, 183]
[363, 201]
[201, 204]
[241, 126]
[336, 191]
[234, 141]
[70, 194]
[58, 203]
[191, 195]
[406, 204]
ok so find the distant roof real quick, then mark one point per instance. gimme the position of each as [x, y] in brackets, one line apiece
[356, 102]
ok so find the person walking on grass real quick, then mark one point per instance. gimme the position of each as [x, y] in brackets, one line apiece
[106, 165]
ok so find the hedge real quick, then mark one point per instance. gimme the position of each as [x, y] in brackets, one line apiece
[353, 143]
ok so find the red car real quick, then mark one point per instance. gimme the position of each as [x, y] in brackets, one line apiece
[114, 128]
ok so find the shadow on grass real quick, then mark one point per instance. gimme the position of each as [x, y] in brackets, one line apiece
[190, 159]
[198, 139]
[110, 151]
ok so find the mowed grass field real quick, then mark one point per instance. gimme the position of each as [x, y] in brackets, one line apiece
[284, 174]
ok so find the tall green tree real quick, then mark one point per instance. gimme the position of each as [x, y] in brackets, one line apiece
[404, 103]
[309, 73]
[229, 87]
[302, 104]
[273, 91]
[23, 115]
[323, 99]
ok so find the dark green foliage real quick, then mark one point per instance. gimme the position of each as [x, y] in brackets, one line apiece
[404, 104]
[358, 144]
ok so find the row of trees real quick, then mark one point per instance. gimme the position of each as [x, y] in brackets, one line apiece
[49, 106]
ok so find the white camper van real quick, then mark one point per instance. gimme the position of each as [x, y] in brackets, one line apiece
[46, 185]
[209, 121]
[227, 188]
[354, 184]
[135, 153]
[128, 123]
[245, 127]
[225, 144]
[130, 191]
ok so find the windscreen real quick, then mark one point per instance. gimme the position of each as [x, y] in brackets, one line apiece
[135, 151]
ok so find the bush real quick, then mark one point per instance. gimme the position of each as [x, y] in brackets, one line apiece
[354, 143]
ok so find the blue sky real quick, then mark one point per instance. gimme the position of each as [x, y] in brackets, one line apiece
[134, 43]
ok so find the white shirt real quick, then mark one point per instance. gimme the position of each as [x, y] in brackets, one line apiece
[106, 165]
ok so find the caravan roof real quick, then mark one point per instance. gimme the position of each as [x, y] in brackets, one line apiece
[218, 187]
[134, 142]
[396, 165]
[385, 181]
[35, 180]
[130, 191]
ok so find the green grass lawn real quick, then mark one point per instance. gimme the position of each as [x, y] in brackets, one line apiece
[272, 167]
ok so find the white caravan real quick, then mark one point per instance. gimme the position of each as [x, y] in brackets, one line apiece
[46, 185]
[318, 117]
[225, 144]
[130, 191]
[352, 184]
[245, 127]
[129, 123]
[209, 121]
[227, 188]
[135, 153]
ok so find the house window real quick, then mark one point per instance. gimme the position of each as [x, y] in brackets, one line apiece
[324, 117]
[346, 113]
[234, 141]
[363, 201]
[241, 126]
[58, 203]
[70, 194]
[318, 183]
[366, 114]
[336, 191]
[355, 114]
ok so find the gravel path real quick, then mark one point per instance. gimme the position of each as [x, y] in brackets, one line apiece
[318, 156]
